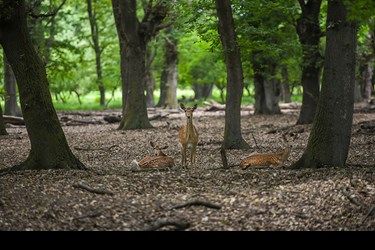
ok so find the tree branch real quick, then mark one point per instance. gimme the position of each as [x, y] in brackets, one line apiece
[163, 222]
[51, 14]
[197, 202]
[92, 190]
[370, 212]
[303, 5]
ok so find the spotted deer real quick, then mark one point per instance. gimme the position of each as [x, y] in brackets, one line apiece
[161, 160]
[188, 136]
[256, 160]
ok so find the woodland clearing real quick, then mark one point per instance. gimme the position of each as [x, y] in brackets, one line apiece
[268, 198]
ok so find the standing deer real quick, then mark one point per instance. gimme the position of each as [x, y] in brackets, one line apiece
[161, 160]
[188, 136]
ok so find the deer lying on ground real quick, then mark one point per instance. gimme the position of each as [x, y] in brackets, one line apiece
[161, 160]
[188, 136]
[257, 160]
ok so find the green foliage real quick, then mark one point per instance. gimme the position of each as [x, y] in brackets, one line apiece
[267, 27]
[360, 11]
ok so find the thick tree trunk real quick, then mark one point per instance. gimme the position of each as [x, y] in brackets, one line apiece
[10, 84]
[232, 132]
[329, 139]
[2, 125]
[308, 30]
[97, 49]
[135, 115]
[49, 148]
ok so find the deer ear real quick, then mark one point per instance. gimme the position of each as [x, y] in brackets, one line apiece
[182, 106]
[152, 144]
[164, 147]
[195, 107]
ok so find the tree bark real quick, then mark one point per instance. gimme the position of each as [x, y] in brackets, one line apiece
[232, 132]
[97, 49]
[135, 116]
[121, 37]
[163, 88]
[10, 84]
[136, 36]
[169, 75]
[2, 125]
[266, 98]
[202, 90]
[285, 89]
[329, 139]
[309, 33]
[171, 57]
[49, 148]
[150, 79]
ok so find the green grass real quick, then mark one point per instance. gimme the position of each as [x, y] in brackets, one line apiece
[91, 100]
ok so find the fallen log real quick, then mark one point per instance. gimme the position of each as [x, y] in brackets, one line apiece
[14, 120]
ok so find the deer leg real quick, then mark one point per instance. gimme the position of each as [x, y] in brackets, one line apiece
[183, 159]
[192, 155]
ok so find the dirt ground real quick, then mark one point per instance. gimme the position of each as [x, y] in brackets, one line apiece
[269, 198]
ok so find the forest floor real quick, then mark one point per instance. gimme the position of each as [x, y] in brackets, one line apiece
[268, 198]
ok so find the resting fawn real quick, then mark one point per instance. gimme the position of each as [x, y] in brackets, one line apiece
[266, 159]
[161, 160]
[188, 136]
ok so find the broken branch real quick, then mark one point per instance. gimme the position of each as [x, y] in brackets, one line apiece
[350, 198]
[370, 212]
[163, 222]
[92, 190]
[197, 202]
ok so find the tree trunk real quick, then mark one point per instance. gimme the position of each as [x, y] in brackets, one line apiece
[285, 89]
[357, 92]
[169, 77]
[49, 148]
[163, 88]
[266, 98]
[308, 30]
[150, 79]
[135, 116]
[51, 37]
[134, 36]
[171, 57]
[97, 49]
[329, 139]
[121, 37]
[366, 73]
[202, 90]
[232, 132]
[2, 125]
[10, 84]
